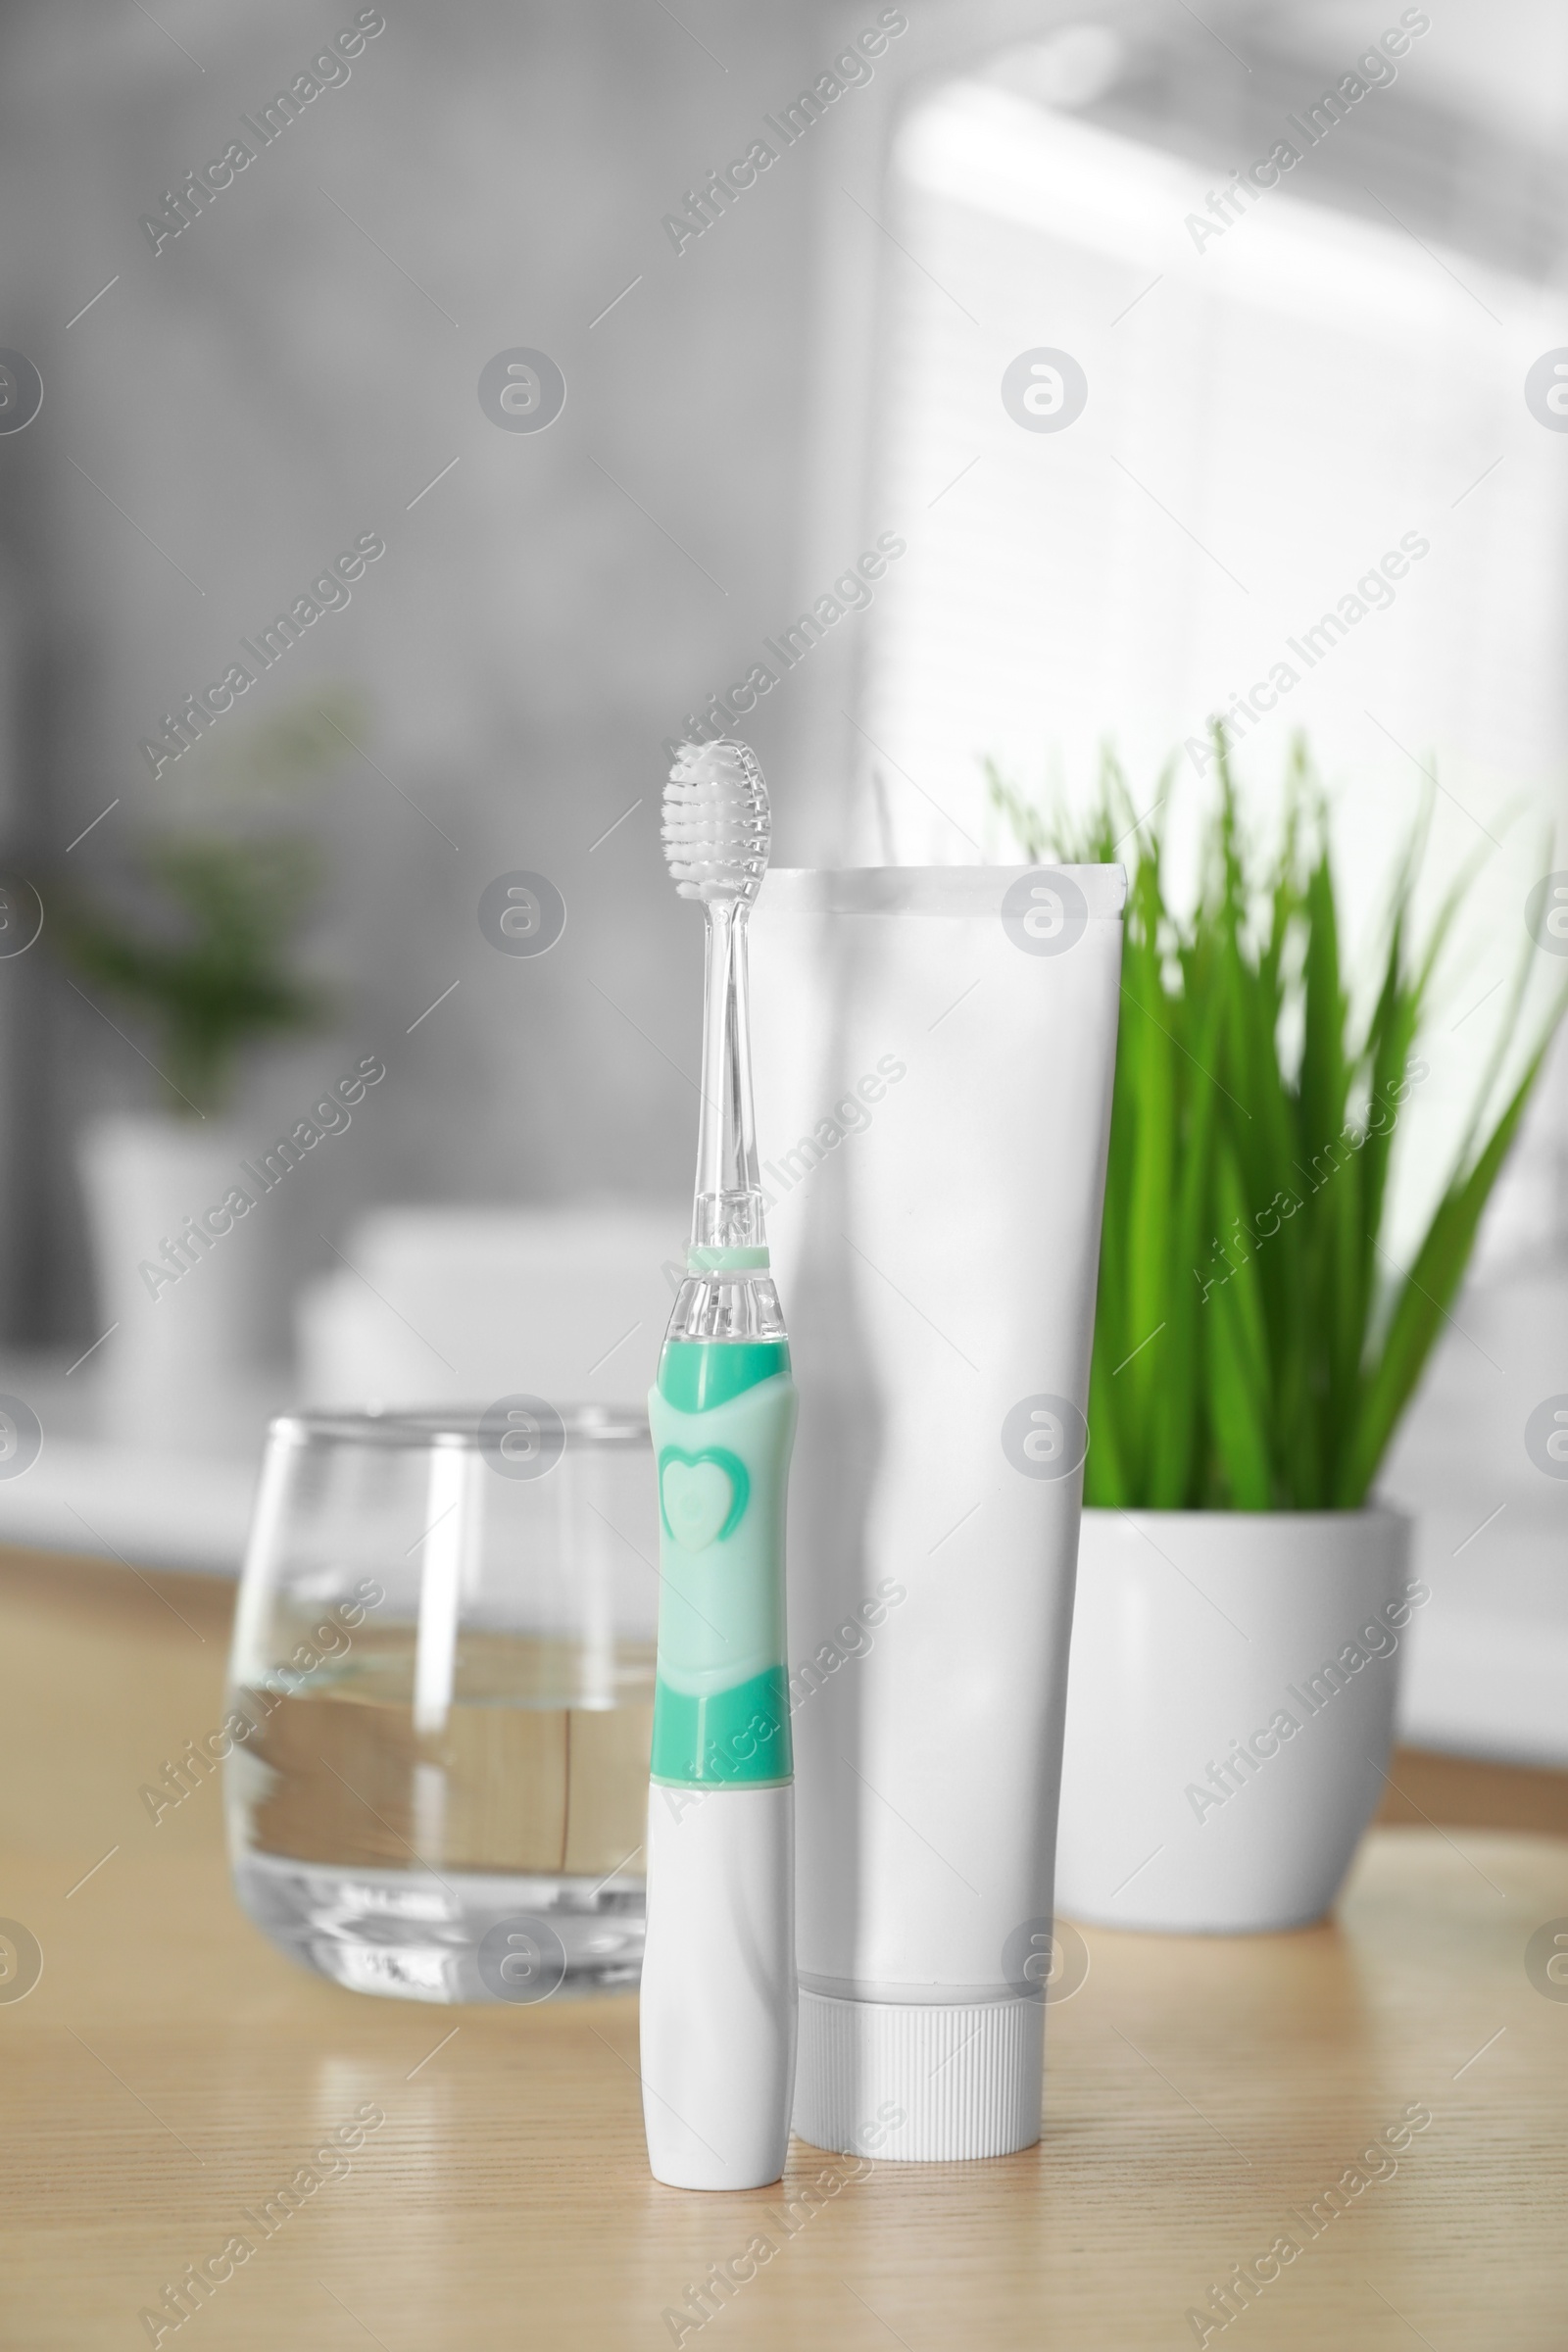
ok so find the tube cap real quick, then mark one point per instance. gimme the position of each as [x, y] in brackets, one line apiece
[919, 2083]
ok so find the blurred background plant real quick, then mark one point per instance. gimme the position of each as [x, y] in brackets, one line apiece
[1254, 1343]
[210, 972]
[199, 937]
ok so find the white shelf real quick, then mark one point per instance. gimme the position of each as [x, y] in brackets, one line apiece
[184, 1504]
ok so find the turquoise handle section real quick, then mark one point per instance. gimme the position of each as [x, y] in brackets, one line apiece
[721, 1695]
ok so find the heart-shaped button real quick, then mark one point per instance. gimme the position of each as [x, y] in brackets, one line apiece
[702, 1494]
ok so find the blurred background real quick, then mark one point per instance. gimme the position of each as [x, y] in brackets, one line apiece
[248, 380]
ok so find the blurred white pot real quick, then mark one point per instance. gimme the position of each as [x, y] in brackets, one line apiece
[1230, 1713]
[173, 1368]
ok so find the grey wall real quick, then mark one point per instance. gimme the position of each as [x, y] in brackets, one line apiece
[269, 385]
[274, 382]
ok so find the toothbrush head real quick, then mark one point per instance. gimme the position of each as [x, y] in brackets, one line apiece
[716, 823]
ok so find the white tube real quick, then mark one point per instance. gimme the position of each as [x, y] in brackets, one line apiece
[934, 1051]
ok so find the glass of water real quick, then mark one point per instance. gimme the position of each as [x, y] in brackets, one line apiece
[440, 1698]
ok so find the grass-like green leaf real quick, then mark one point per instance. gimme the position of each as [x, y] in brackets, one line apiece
[1254, 1345]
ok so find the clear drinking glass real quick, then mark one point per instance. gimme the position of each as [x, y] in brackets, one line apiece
[441, 1699]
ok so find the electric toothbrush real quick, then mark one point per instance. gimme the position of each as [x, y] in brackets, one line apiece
[719, 1990]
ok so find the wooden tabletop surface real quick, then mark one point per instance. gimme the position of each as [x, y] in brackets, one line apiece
[170, 2072]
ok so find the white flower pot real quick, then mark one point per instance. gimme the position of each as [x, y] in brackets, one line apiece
[180, 1351]
[1230, 1713]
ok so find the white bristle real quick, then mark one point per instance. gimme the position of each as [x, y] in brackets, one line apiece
[716, 822]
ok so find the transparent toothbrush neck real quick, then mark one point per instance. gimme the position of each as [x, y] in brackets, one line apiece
[721, 1298]
[727, 1307]
[727, 1213]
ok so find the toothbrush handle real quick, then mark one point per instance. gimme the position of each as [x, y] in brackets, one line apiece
[718, 1965]
[718, 1984]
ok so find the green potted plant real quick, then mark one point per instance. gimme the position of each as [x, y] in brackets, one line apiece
[190, 950]
[1243, 1596]
[203, 970]
[211, 976]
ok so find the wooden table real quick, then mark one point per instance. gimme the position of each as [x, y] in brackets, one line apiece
[170, 2071]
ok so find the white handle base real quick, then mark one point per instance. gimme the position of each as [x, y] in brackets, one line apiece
[718, 1986]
